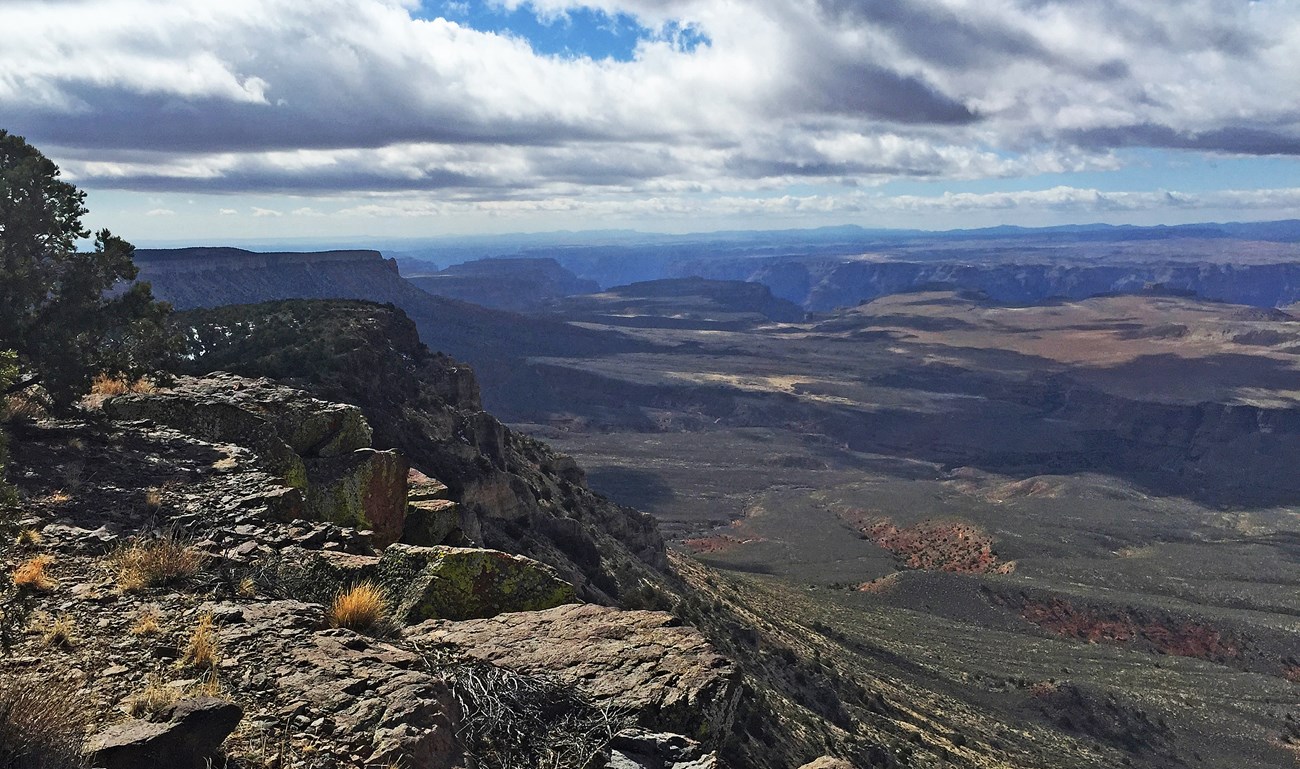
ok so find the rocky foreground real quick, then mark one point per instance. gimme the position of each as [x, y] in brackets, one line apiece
[273, 502]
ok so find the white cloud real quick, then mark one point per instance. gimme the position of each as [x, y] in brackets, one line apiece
[266, 212]
[354, 96]
[160, 212]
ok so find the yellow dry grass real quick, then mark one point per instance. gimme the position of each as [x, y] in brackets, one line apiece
[361, 608]
[202, 650]
[33, 574]
[152, 562]
[153, 499]
[56, 633]
[152, 699]
[28, 537]
[146, 623]
[107, 387]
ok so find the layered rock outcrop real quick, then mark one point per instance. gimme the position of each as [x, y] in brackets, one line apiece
[641, 662]
[319, 448]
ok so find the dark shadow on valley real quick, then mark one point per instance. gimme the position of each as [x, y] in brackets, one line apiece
[641, 489]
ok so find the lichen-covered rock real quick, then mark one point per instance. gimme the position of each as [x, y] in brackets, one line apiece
[432, 522]
[458, 583]
[642, 662]
[188, 735]
[281, 424]
[217, 421]
[365, 489]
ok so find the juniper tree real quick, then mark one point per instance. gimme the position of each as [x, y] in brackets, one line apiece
[68, 313]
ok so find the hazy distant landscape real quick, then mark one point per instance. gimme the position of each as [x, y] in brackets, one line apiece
[1010, 460]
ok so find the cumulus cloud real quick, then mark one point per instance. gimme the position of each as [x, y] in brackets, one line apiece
[356, 96]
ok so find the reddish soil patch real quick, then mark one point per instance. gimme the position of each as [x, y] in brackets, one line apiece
[951, 546]
[1292, 673]
[1120, 626]
[719, 543]
[881, 585]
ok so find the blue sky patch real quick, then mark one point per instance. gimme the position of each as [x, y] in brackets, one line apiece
[581, 32]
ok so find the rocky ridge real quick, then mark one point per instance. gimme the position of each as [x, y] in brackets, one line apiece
[230, 468]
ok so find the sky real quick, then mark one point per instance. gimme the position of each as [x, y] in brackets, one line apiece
[201, 121]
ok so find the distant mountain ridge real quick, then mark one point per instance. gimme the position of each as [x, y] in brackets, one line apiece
[498, 344]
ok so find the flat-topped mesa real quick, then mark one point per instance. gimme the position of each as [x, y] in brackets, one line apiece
[200, 258]
[201, 277]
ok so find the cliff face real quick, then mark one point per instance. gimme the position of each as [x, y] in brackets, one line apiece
[202, 277]
[517, 494]
[504, 284]
[824, 284]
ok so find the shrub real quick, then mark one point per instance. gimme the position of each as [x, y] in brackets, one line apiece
[361, 608]
[42, 724]
[154, 562]
[32, 575]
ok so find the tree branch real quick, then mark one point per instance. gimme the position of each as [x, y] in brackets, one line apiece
[22, 385]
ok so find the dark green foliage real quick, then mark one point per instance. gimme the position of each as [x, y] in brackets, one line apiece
[357, 352]
[8, 500]
[68, 314]
[15, 606]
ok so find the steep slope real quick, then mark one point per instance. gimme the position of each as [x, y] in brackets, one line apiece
[524, 497]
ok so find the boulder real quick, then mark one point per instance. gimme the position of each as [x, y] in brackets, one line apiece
[431, 522]
[421, 487]
[380, 704]
[641, 662]
[405, 717]
[321, 573]
[458, 583]
[365, 490]
[281, 424]
[187, 736]
[640, 749]
[215, 421]
[828, 762]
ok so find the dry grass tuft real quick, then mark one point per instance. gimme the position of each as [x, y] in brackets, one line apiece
[105, 386]
[153, 562]
[247, 588]
[29, 537]
[56, 633]
[202, 652]
[32, 574]
[43, 724]
[361, 608]
[146, 623]
[59, 497]
[25, 406]
[153, 499]
[154, 698]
